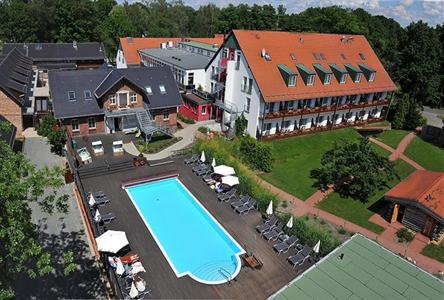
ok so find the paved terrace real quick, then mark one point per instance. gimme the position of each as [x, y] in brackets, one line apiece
[249, 284]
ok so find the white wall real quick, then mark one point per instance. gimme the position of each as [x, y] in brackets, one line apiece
[120, 59]
[200, 77]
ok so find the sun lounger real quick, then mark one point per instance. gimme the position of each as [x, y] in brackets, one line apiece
[284, 246]
[203, 171]
[191, 160]
[107, 218]
[98, 201]
[300, 257]
[98, 194]
[243, 200]
[267, 225]
[274, 233]
[245, 209]
[200, 167]
[227, 195]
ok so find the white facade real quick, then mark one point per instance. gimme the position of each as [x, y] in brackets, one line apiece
[120, 59]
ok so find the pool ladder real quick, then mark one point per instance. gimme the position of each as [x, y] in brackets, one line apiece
[224, 273]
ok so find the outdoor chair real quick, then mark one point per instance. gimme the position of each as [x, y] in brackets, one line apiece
[98, 194]
[191, 160]
[106, 218]
[267, 225]
[227, 195]
[203, 171]
[199, 167]
[300, 257]
[245, 209]
[273, 234]
[284, 246]
[100, 200]
[243, 200]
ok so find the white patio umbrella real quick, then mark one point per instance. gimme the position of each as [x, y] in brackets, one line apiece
[97, 216]
[213, 163]
[290, 222]
[91, 200]
[202, 156]
[133, 291]
[119, 269]
[230, 180]
[317, 246]
[269, 210]
[111, 241]
[224, 170]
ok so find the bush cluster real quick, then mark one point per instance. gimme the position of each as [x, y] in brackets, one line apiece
[47, 125]
[56, 135]
[185, 119]
[203, 129]
[404, 235]
[256, 154]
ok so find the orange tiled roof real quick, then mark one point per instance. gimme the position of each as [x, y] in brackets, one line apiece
[279, 45]
[130, 50]
[425, 187]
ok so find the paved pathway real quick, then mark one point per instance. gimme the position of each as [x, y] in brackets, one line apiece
[187, 135]
[431, 114]
[58, 233]
[399, 151]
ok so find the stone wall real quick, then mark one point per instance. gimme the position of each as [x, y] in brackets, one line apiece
[433, 134]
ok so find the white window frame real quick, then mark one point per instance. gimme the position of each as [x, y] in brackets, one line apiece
[358, 77]
[133, 97]
[69, 96]
[244, 84]
[168, 115]
[310, 80]
[372, 77]
[327, 79]
[87, 97]
[204, 110]
[247, 104]
[89, 124]
[292, 80]
[77, 125]
[127, 98]
[343, 78]
[112, 99]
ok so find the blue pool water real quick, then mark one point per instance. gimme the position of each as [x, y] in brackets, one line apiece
[192, 241]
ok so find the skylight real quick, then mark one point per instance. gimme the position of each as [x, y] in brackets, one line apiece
[162, 89]
[292, 56]
[343, 56]
[71, 95]
[362, 56]
[87, 94]
[149, 90]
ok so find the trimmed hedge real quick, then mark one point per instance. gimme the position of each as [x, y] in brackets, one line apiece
[256, 154]
[185, 119]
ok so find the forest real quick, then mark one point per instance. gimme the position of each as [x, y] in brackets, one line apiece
[413, 56]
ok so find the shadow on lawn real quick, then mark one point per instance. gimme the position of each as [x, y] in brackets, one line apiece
[83, 283]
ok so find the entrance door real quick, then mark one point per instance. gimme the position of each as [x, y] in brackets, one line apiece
[117, 124]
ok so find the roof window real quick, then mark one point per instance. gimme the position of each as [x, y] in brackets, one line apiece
[71, 96]
[148, 90]
[362, 56]
[162, 89]
[292, 56]
[343, 56]
[87, 94]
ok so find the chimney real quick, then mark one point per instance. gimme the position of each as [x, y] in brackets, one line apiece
[163, 45]
[301, 39]
[170, 44]
[74, 44]
[263, 52]
[25, 47]
[342, 39]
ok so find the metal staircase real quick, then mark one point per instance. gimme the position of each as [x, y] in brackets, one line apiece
[148, 126]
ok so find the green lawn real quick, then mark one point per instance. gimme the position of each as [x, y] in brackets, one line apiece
[426, 154]
[296, 157]
[358, 212]
[434, 251]
[392, 137]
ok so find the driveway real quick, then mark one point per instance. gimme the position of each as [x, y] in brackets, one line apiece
[59, 233]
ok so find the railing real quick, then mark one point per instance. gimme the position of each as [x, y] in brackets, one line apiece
[319, 109]
[224, 273]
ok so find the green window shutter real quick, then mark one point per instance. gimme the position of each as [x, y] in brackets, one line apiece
[305, 72]
[367, 71]
[287, 74]
[353, 71]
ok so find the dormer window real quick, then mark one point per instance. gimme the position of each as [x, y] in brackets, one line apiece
[343, 78]
[288, 75]
[354, 72]
[372, 77]
[148, 90]
[162, 89]
[327, 79]
[323, 73]
[339, 73]
[358, 77]
[87, 94]
[368, 72]
[310, 80]
[71, 96]
[307, 74]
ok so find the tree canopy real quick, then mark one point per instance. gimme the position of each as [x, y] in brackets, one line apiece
[355, 169]
[20, 185]
[413, 56]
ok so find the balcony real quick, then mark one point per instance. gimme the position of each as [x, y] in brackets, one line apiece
[321, 109]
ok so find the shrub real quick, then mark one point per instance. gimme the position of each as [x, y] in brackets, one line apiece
[341, 230]
[256, 154]
[240, 125]
[284, 204]
[203, 129]
[57, 138]
[185, 119]
[46, 126]
[404, 235]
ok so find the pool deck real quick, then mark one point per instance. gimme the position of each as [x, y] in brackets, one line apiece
[249, 284]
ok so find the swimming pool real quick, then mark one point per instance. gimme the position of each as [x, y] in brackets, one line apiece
[191, 239]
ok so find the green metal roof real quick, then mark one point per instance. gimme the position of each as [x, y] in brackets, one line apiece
[353, 68]
[201, 45]
[366, 271]
[305, 69]
[286, 69]
[366, 68]
[321, 68]
[337, 68]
